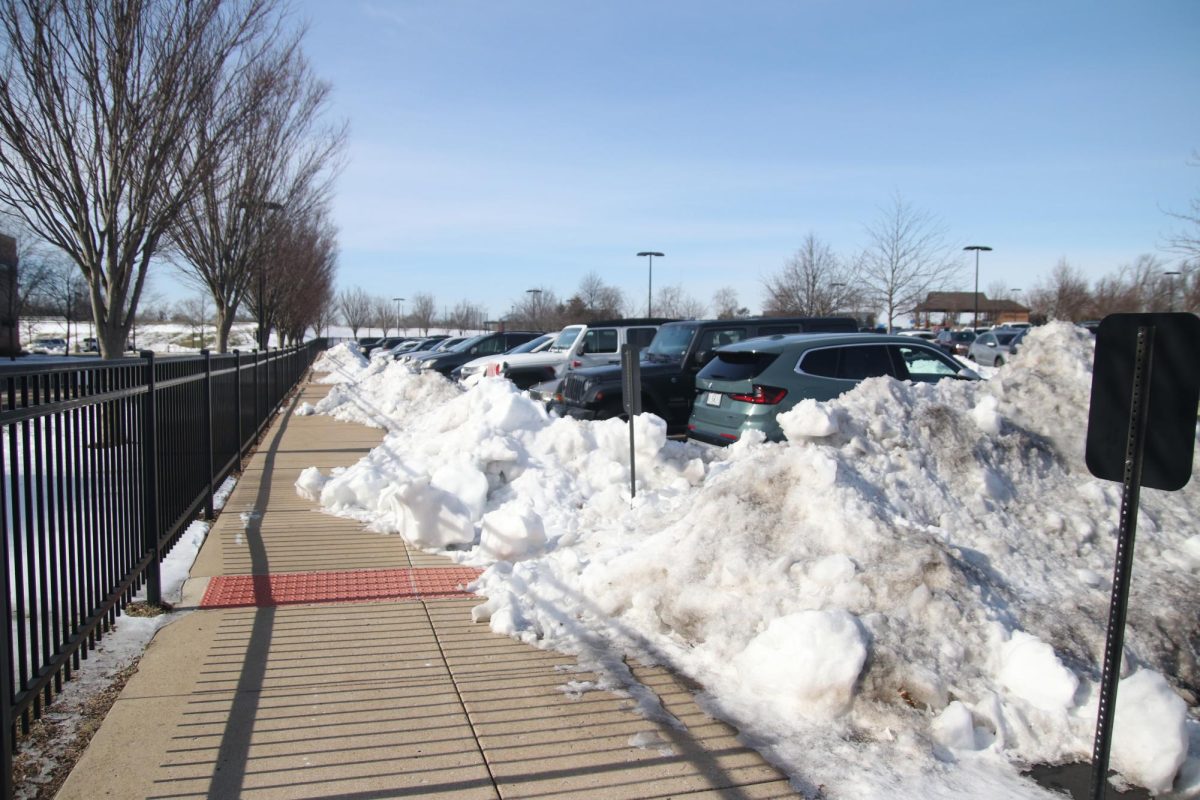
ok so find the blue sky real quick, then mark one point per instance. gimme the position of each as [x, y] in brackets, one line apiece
[500, 146]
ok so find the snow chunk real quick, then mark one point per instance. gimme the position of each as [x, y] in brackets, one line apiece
[310, 483]
[1030, 670]
[987, 419]
[1150, 741]
[512, 534]
[954, 728]
[809, 418]
[427, 516]
[808, 662]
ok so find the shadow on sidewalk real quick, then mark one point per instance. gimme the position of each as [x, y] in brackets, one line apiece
[229, 774]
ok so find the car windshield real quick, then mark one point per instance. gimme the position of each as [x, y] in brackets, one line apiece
[1005, 338]
[565, 339]
[964, 336]
[531, 345]
[670, 343]
[467, 344]
[447, 344]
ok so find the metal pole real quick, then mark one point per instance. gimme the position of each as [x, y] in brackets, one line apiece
[237, 402]
[208, 431]
[150, 485]
[975, 319]
[1134, 450]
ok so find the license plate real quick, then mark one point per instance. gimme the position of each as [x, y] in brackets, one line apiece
[713, 399]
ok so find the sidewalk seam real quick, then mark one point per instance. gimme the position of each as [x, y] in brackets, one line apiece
[461, 703]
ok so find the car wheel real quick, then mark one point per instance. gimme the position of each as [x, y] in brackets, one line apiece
[999, 362]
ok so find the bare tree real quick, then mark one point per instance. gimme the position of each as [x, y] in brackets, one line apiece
[466, 316]
[1185, 240]
[109, 115]
[194, 311]
[308, 256]
[599, 299]
[355, 308]
[674, 302]
[539, 310]
[284, 162]
[907, 255]
[814, 282]
[424, 309]
[383, 315]
[64, 294]
[1063, 296]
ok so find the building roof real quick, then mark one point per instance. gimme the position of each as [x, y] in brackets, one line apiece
[955, 302]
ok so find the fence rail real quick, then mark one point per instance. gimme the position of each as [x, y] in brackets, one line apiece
[105, 465]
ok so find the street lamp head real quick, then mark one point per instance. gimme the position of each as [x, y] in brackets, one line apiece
[398, 299]
[533, 291]
[978, 247]
[650, 253]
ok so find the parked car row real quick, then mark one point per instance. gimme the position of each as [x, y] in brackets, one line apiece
[712, 380]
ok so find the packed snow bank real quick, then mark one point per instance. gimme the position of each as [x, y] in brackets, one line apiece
[907, 598]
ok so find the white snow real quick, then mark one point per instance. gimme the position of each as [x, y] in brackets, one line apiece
[906, 599]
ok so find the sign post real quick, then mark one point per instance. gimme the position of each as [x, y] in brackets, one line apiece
[631, 391]
[1145, 368]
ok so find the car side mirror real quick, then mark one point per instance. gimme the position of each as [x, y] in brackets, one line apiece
[968, 374]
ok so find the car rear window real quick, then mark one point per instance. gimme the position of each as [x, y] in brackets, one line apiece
[736, 366]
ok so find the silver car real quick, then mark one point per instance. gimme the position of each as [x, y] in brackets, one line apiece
[994, 348]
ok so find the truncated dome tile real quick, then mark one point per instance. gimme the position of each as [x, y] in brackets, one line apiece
[355, 586]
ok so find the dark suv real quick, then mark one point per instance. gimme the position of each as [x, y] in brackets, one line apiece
[670, 363]
[486, 344]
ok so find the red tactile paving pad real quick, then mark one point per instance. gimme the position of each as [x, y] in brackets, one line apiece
[356, 586]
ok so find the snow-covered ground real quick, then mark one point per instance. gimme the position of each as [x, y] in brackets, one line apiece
[906, 599]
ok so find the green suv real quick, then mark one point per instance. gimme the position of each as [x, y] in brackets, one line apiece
[750, 383]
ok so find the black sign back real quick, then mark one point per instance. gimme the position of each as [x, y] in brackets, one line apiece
[1174, 393]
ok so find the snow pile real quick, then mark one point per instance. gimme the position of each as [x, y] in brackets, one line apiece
[908, 598]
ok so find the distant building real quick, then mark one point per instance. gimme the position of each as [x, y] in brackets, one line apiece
[10, 341]
[954, 309]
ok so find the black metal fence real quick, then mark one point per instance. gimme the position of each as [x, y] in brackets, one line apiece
[105, 465]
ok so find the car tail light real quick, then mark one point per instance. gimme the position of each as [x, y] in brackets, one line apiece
[762, 395]
[730, 436]
[576, 364]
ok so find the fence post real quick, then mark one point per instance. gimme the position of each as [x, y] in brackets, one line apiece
[208, 429]
[270, 405]
[7, 742]
[150, 485]
[237, 403]
[257, 393]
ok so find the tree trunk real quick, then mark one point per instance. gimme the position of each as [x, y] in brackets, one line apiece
[224, 323]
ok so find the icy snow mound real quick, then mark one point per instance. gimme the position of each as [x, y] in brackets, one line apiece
[382, 392]
[342, 362]
[956, 523]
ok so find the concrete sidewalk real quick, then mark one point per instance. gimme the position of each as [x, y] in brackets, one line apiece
[376, 699]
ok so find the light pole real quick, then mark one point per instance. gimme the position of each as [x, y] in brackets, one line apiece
[535, 307]
[261, 205]
[400, 313]
[977, 248]
[650, 254]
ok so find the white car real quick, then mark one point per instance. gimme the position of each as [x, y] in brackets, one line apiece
[49, 346]
[576, 346]
[480, 365]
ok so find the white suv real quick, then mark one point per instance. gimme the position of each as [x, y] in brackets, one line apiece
[576, 346]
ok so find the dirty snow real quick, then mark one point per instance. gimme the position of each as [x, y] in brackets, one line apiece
[906, 599]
